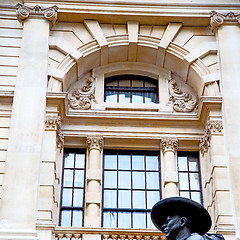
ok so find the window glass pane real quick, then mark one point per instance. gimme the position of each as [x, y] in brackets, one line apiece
[110, 199]
[124, 179]
[196, 196]
[182, 164]
[124, 200]
[138, 180]
[78, 198]
[124, 162]
[111, 97]
[66, 218]
[124, 83]
[148, 84]
[110, 219]
[150, 97]
[193, 164]
[80, 161]
[137, 97]
[68, 178]
[152, 198]
[69, 160]
[138, 162]
[139, 199]
[110, 179]
[151, 162]
[184, 194]
[110, 161]
[149, 221]
[67, 197]
[79, 178]
[194, 181]
[137, 83]
[77, 219]
[139, 220]
[152, 180]
[124, 97]
[112, 83]
[183, 181]
[124, 220]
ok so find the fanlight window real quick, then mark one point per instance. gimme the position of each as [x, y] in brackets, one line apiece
[131, 89]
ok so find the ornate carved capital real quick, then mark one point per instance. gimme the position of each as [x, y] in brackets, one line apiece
[217, 19]
[212, 127]
[95, 142]
[53, 123]
[23, 12]
[169, 144]
[182, 101]
[82, 98]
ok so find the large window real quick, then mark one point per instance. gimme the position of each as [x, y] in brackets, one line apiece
[131, 186]
[189, 176]
[72, 197]
[130, 89]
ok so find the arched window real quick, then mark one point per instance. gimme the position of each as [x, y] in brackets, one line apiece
[130, 89]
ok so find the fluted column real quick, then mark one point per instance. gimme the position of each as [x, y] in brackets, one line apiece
[21, 178]
[227, 29]
[170, 173]
[94, 175]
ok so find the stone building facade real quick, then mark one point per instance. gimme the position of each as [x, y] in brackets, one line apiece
[85, 85]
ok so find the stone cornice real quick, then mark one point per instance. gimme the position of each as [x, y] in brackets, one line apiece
[217, 19]
[169, 144]
[95, 142]
[49, 13]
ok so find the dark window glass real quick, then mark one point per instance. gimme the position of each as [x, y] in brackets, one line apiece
[131, 186]
[130, 89]
[73, 181]
[189, 176]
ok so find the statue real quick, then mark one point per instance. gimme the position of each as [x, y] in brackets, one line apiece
[183, 219]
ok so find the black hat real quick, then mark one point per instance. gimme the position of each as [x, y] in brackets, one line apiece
[200, 220]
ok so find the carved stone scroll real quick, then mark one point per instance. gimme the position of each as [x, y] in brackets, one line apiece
[95, 142]
[182, 101]
[53, 123]
[82, 98]
[217, 19]
[169, 144]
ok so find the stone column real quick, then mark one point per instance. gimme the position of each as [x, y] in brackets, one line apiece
[21, 178]
[216, 187]
[94, 175]
[170, 172]
[227, 29]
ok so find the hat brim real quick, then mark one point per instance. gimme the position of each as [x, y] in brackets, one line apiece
[200, 220]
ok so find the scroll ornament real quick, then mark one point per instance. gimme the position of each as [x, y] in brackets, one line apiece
[182, 101]
[50, 13]
[82, 98]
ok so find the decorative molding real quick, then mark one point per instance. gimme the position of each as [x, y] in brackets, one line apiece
[82, 98]
[23, 12]
[53, 123]
[169, 144]
[217, 19]
[95, 142]
[182, 101]
[212, 127]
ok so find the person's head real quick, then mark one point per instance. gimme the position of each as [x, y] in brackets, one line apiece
[174, 214]
[175, 224]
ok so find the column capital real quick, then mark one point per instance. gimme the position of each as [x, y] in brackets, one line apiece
[169, 144]
[217, 19]
[213, 127]
[95, 142]
[53, 123]
[23, 12]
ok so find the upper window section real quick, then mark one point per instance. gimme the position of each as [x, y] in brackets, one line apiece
[130, 89]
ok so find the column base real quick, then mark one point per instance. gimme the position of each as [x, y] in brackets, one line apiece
[16, 234]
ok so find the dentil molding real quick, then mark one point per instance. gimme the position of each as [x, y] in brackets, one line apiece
[95, 142]
[217, 19]
[212, 127]
[169, 144]
[23, 12]
[53, 123]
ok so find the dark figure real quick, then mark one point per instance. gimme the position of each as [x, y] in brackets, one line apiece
[181, 218]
